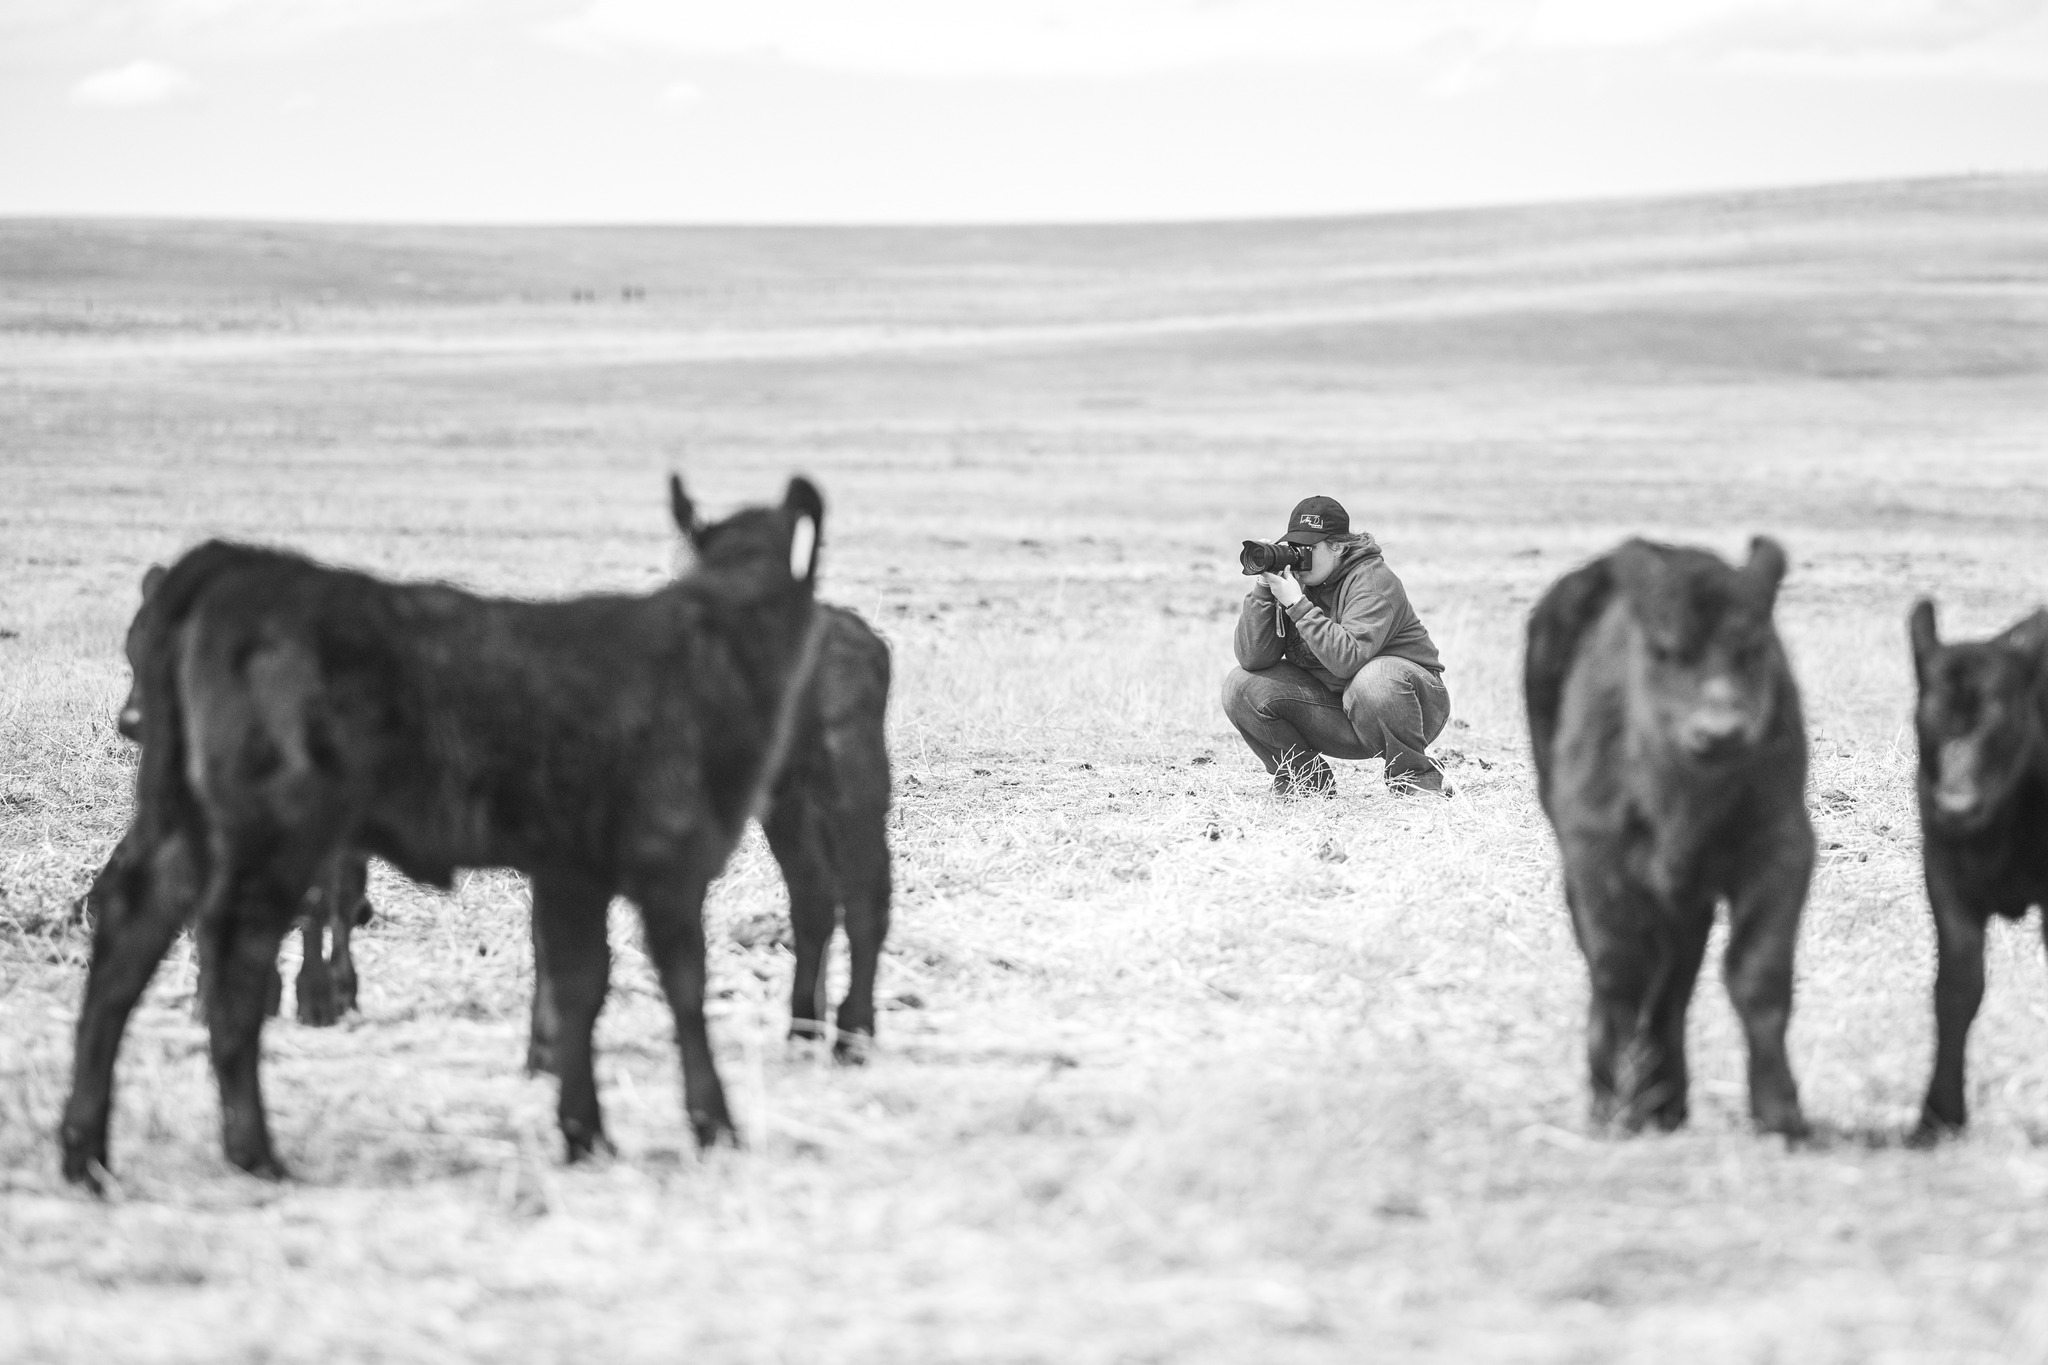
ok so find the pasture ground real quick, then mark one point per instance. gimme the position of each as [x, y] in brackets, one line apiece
[1169, 1070]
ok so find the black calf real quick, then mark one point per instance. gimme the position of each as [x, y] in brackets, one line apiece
[1671, 760]
[828, 829]
[603, 745]
[827, 825]
[1982, 722]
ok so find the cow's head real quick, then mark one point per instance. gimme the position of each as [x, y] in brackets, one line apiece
[1978, 719]
[756, 550]
[129, 723]
[1710, 665]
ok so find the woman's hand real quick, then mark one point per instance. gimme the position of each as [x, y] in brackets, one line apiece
[1283, 587]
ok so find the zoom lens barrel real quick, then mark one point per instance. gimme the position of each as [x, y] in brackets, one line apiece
[1264, 556]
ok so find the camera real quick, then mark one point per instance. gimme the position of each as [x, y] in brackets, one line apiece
[1260, 556]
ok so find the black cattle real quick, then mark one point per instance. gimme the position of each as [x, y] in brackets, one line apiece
[335, 907]
[603, 745]
[827, 825]
[828, 830]
[1982, 723]
[1671, 760]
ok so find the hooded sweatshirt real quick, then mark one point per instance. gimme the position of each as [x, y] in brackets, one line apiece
[1359, 612]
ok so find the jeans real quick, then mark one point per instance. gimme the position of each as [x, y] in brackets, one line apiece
[1391, 709]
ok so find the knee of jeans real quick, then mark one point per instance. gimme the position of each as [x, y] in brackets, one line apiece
[1370, 689]
[1249, 696]
[1236, 683]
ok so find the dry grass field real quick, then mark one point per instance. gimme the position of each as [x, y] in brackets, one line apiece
[1170, 1070]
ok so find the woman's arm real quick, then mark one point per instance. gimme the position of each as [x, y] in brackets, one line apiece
[1259, 642]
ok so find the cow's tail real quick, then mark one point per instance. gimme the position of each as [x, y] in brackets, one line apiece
[163, 801]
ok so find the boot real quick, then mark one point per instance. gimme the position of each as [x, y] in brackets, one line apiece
[1422, 782]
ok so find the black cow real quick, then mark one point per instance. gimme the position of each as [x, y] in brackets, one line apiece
[335, 907]
[1671, 760]
[827, 825]
[603, 745]
[828, 829]
[1982, 722]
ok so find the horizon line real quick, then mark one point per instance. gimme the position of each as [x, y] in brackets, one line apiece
[1779, 190]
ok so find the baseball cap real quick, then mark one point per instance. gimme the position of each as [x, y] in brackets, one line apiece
[1314, 519]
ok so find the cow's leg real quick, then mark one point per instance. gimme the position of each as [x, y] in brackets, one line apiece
[273, 988]
[327, 977]
[351, 881]
[672, 911]
[1619, 1056]
[106, 883]
[1619, 962]
[138, 910]
[1763, 930]
[1663, 1100]
[315, 987]
[569, 920]
[865, 882]
[248, 906]
[1958, 991]
[341, 961]
[273, 993]
[794, 839]
[545, 1022]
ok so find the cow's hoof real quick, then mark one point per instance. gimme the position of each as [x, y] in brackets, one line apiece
[714, 1130]
[1932, 1132]
[583, 1145]
[852, 1049]
[1792, 1127]
[263, 1167]
[85, 1164]
[318, 1008]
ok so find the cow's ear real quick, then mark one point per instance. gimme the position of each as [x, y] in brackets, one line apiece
[806, 508]
[2029, 635]
[1765, 569]
[152, 579]
[1920, 629]
[682, 509]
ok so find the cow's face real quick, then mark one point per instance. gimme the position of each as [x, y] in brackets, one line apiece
[1710, 666]
[129, 722]
[757, 551]
[1978, 722]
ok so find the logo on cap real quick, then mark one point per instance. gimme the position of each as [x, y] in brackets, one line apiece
[1310, 521]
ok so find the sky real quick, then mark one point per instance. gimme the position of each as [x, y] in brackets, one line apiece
[988, 110]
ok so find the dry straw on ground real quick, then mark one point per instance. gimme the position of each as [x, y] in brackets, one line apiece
[1169, 1070]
